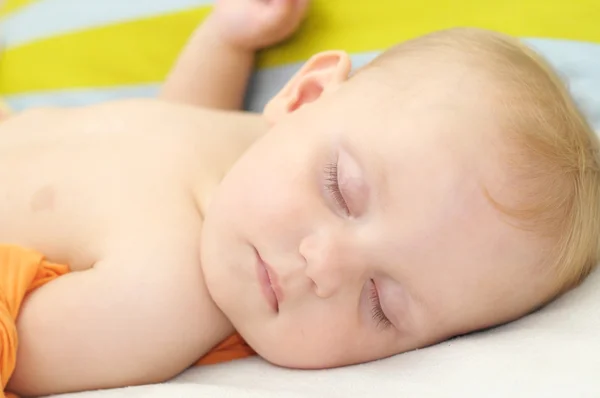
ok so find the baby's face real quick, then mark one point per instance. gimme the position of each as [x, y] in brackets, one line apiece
[357, 227]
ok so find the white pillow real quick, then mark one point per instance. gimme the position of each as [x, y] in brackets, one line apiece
[553, 352]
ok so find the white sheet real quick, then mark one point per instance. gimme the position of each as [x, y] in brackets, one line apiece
[554, 352]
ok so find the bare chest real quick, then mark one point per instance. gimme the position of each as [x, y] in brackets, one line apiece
[68, 186]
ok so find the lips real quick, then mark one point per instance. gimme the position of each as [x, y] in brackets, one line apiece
[268, 283]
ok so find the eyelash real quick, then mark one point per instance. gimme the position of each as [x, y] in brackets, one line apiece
[333, 186]
[376, 310]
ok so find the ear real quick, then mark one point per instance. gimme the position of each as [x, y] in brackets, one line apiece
[322, 73]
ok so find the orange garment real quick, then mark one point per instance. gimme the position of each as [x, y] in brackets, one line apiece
[234, 347]
[22, 271]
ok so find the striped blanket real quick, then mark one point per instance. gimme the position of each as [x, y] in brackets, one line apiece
[65, 52]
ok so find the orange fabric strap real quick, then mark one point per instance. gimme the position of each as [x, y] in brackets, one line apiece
[21, 271]
[234, 347]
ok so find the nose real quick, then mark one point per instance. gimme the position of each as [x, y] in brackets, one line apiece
[332, 262]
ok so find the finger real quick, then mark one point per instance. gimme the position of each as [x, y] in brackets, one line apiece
[281, 8]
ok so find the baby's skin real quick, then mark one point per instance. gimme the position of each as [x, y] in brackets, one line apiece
[342, 225]
[118, 191]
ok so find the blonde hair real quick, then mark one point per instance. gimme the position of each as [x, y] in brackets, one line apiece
[556, 157]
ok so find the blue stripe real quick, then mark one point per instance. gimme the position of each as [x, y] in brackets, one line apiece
[54, 17]
[68, 98]
[267, 82]
[577, 63]
[263, 86]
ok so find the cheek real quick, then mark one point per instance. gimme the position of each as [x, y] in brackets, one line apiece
[278, 196]
[274, 189]
[319, 334]
[314, 339]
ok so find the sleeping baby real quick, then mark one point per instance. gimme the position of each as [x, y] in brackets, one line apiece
[449, 186]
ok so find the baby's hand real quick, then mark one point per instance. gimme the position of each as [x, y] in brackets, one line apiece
[255, 24]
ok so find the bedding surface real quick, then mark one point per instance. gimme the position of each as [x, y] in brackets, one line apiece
[554, 352]
[65, 52]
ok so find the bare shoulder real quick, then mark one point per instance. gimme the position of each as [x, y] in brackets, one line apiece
[160, 273]
[160, 257]
[147, 123]
[141, 315]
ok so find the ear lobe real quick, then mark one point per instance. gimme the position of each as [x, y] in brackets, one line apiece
[322, 73]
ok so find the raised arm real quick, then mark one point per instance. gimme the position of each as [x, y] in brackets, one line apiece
[130, 320]
[214, 67]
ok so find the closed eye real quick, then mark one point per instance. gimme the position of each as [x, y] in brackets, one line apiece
[333, 187]
[379, 317]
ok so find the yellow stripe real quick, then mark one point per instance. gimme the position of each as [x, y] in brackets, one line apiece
[142, 51]
[13, 5]
[358, 26]
[119, 54]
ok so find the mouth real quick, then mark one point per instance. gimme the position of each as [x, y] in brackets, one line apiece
[268, 283]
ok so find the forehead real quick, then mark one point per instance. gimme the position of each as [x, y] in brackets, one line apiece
[429, 147]
[416, 103]
[428, 129]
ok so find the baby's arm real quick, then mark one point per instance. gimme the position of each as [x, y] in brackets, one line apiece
[214, 67]
[130, 320]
